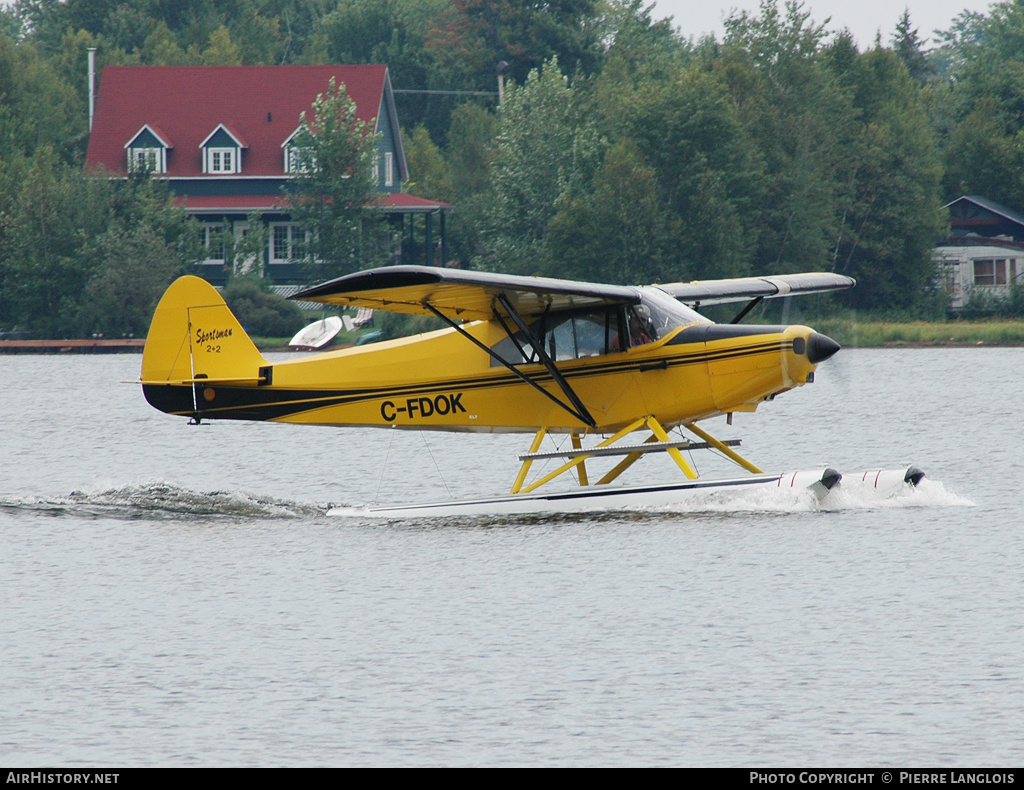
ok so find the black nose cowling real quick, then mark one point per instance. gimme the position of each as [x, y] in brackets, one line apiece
[820, 347]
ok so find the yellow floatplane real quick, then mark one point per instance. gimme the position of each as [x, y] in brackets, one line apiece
[520, 354]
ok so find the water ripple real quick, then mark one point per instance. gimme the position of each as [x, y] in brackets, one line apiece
[160, 500]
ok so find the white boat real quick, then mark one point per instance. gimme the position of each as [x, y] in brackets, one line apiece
[317, 335]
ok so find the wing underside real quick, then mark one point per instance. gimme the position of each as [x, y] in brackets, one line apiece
[466, 295]
[471, 295]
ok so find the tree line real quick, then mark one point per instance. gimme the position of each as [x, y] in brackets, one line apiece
[623, 152]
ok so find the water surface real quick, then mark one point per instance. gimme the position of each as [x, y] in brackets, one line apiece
[176, 595]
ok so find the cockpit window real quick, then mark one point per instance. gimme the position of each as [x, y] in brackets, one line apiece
[568, 336]
[591, 333]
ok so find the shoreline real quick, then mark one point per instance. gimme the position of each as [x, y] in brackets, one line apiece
[851, 333]
[79, 346]
[848, 333]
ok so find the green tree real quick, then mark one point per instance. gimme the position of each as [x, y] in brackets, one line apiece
[394, 32]
[470, 148]
[383, 31]
[471, 139]
[38, 109]
[893, 215]
[621, 232]
[648, 48]
[475, 36]
[129, 271]
[709, 170]
[546, 147]
[49, 217]
[428, 170]
[801, 119]
[256, 30]
[334, 193]
[908, 47]
[161, 48]
[245, 252]
[982, 57]
[958, 45]
[984, 158]
[74, 245]
[260, 311]
[126, 26]
[222, 51]
[12, 22]
[638, 54]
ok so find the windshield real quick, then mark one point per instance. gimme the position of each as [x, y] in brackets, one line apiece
[658, 314]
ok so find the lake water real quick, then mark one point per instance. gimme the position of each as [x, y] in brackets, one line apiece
[176, 595]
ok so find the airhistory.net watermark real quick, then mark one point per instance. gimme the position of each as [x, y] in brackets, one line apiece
[55, 778]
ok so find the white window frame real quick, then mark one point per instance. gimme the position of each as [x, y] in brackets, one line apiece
[250, 263]
[214, 161]
[207, 230]
[297, 159]
[389, 169]
[1004, 272]
[153, 159]
[292, 241]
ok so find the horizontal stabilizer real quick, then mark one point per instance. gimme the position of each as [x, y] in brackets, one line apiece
[236, 381]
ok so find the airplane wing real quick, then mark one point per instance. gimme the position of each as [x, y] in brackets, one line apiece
[459, 294]
[744, 288]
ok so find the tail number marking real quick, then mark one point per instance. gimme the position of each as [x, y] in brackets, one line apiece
[418, 408]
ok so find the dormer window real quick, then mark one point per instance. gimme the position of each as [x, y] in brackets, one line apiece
[147, 151]
[221, 160]
[145, 160]
[297, 158]
[222, 152]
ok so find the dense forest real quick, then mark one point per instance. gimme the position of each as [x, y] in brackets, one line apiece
[623, 152]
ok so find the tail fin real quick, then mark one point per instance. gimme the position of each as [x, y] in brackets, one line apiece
[194, 336]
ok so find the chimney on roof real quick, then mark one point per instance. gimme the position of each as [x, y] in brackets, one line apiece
[92, 84]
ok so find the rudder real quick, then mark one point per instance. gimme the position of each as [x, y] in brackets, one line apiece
[194, 335]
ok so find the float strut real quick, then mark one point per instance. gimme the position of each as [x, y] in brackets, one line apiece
[528, 462]
[677, 456]
[578, 445]
[658, 434]
[722, 448]
[574, 462]
[625, 463]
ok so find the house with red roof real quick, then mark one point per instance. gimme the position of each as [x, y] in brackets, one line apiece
[221, 136]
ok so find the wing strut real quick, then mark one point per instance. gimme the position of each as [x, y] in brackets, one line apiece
[743, 313]
[582, 415]
[580, 410]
